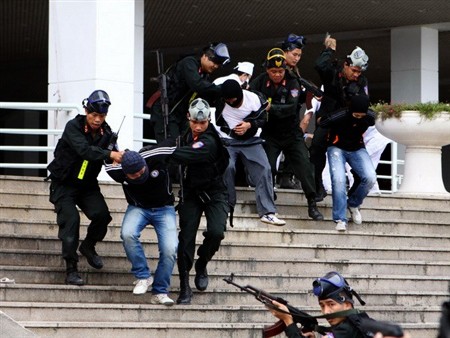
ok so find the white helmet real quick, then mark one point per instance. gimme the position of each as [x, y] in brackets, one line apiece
[199, 110]
[358, 58]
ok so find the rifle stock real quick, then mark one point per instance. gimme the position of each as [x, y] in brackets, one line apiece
[274, 329]
[162, 81]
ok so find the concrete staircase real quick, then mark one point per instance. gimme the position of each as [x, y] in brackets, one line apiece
[398, 260]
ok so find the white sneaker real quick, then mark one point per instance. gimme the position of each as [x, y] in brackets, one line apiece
[341, 225]
[161, 298]
[356, 215]
[142, 285]
[272, 219]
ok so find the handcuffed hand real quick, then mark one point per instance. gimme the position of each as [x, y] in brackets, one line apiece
[242, 127]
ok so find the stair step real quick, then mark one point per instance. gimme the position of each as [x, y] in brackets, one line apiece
[223, 295]
[174, 329]
[158, 313]
[122, 277]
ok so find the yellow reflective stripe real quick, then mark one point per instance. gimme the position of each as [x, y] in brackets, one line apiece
[83, 170]
[194, 95]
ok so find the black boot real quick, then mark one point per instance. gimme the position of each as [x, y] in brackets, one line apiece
[313, 212]
[201, 275]
[72, 276]
[87, 249]
[185, 290]
[288, 181]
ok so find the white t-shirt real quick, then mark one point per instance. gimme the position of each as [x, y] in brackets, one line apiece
[234, 116]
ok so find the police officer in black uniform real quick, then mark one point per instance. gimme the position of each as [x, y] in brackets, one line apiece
[186, 79]
[79, 157]
[334, 295]
[281, 132]
[205, 160]
[336, 301]
[293, 50]
[341, 81]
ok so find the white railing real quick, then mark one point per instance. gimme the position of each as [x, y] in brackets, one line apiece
[394, 162]
[40, 107]
[395, 178]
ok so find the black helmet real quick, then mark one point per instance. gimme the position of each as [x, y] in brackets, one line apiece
[334, 286]
[97, 102]
[293, 41]
[275, 59]
[217, 53]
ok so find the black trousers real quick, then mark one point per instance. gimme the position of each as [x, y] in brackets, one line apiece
[176, 125]
[294, 149]
[190, 212]
[91, 201]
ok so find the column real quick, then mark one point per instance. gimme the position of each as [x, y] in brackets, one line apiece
[414, 64]
[98, 44]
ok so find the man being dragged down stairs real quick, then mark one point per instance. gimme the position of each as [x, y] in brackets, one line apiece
[148, 190]
[79, 155]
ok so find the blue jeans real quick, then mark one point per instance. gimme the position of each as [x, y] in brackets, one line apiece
[361, 163]
[164, 222]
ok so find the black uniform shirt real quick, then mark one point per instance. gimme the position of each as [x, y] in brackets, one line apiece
[205, 159]
[77, 145]
[337, 89]
[186, 78]
[282, 115]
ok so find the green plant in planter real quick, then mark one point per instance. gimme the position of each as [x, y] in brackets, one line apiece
[428, 109]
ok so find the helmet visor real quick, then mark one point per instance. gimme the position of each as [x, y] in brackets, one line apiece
[328, 284]
[220, 54]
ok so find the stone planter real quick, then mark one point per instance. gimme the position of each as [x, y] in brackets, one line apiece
[423, 139]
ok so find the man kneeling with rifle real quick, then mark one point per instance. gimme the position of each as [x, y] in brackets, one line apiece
[336, 304]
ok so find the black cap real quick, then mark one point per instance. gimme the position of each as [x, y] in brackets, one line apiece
[359, 104]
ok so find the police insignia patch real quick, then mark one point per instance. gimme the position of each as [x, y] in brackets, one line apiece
[198, 145]
[294, 92]
[154, 173]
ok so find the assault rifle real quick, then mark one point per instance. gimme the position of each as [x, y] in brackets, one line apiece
[308, 322]
[310, 87]
[162, 80]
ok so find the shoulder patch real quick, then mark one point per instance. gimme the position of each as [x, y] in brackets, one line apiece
[294, 92]
[198, 145]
